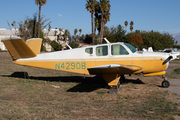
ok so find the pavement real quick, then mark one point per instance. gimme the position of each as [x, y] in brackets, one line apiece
[174, 87]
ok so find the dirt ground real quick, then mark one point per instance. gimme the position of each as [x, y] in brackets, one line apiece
[50, 94]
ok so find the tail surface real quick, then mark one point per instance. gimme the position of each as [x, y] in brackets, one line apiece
[34, 44]
[19, 49]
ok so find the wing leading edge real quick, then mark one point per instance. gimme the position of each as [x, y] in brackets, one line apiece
[113, 69]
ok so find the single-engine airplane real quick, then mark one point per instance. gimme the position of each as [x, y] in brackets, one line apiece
[111, 60]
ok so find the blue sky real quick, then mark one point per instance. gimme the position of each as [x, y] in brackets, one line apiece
[157, 15]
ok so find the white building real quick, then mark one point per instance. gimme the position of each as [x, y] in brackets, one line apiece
[6, 33]
[14, 33]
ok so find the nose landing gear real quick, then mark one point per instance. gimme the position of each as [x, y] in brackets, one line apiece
[165, 83]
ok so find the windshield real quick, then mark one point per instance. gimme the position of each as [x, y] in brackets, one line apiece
[133, 49]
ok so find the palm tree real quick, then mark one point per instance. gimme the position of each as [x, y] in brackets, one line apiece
[90, 6]
[105, 15]
[66, 34]
[75, 32]
[131, 25]
[40, 3]
[97, 21]
[49, 29]
[80, 31]
[176, 42]
[131, 28]
[126, 24]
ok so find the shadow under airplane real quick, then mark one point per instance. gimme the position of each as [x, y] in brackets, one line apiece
[86, 84]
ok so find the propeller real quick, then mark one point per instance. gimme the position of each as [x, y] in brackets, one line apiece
[167, 60]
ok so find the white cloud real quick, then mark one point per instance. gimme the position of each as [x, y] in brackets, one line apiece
[59, 15]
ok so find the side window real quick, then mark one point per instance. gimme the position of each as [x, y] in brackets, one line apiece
[102, 50]
[118, 50]
[89, 50]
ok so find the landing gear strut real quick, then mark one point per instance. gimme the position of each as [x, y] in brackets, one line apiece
[165, 83]
[114, 89]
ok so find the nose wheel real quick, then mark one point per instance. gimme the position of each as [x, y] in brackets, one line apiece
[165, 84]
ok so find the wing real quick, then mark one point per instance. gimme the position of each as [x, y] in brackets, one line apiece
[113, 69]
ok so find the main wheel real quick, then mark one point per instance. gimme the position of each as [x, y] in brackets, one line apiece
[165, 84]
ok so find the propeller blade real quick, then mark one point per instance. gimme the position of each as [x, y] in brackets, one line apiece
[167, 60]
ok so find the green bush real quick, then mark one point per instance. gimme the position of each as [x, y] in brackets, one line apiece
[73, 44]
[55, 46]
[177, 70]
[43, 48]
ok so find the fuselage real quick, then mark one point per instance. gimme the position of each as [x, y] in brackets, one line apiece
[79, 59]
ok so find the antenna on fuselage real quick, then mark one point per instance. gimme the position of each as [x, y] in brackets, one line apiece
[106, 40]
[69, 46]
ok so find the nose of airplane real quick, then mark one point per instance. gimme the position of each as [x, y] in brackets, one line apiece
[169, 57]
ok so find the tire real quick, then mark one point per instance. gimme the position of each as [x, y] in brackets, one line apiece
[165, 84]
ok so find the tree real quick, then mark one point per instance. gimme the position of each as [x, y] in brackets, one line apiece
[126, 24]
[55, 46]
[75, 32]
[90, 6]
[40, 3]
[97, 21]
[131, 25]
[73, 44]
[152, 39]
[82, 37]
[114, 34]
[28, 28]
[176, 42]
[14, 25]
[49, 29]
[136, 40]
[60, 35]
[120, 33]
[103, 8]
[80, 31]
[66, 34]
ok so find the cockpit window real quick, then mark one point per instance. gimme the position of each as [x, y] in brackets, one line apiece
[118, 50]
[89, 50]
[132, 48]
[102, 50]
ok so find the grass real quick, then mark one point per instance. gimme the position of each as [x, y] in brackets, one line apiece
[176, 60]
[50, 94]
[174, 74]
[177, 71]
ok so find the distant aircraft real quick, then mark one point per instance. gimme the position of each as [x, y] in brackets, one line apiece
[150, 49]
[172, 51]
[111, 60]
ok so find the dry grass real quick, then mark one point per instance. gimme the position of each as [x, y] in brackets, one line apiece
[50, 94]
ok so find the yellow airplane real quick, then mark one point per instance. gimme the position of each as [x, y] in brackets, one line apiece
[111, 60]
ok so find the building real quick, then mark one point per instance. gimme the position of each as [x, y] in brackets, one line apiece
[7, 33]
[48, 34]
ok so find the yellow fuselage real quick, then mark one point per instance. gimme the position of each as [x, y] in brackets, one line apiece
[148, 64]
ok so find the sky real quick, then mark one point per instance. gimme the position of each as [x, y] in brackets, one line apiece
[156, 15]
